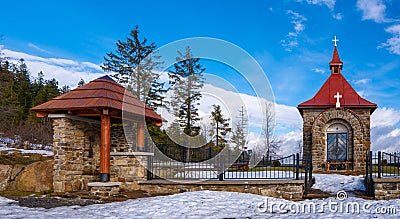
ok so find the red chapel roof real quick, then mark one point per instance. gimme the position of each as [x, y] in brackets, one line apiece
[336, 82]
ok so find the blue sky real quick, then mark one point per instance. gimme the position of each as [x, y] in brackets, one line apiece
[291, 39]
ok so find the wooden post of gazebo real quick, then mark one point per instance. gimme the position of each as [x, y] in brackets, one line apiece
[80, 110]
[140, 136]
[105, 147]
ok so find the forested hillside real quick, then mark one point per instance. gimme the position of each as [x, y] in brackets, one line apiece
[20, 90]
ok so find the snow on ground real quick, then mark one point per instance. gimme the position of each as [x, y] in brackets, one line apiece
[3, 147]
[209, 204]
[332, 183]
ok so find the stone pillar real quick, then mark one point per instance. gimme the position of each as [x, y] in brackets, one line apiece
[105, 148]
[73, 168]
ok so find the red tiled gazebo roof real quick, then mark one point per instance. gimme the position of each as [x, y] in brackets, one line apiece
[101, 93]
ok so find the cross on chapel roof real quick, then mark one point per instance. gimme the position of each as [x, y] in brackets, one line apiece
[336, 84]
[335, 41]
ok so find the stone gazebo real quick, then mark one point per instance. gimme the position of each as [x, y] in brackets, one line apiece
[99, 135]
[336, 123]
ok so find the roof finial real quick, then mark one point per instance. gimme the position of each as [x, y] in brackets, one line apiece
[335, 41]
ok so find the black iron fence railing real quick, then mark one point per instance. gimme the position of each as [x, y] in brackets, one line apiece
[382, 164]
[176, 162]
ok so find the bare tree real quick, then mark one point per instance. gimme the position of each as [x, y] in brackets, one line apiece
[300, 147]
[271, 142]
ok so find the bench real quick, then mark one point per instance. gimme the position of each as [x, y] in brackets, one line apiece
[329, 163]
[241, 166]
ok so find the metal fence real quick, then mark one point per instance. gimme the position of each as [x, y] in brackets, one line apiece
[384, 164]
[380, 165]
[177, 162]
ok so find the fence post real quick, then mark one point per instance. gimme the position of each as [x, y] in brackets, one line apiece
[297, 165]
[370, 164]
[221, 174]
[184, 151]
[379, 164]
[366, 167]
[149, 167]
[306, 175]
[366, 164]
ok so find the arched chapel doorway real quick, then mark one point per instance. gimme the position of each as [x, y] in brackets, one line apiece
[337, 136]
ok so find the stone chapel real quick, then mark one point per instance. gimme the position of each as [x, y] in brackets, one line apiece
[336, 123]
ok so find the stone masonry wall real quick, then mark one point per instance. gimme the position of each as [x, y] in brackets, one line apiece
[387, 188]
[315, 124]
[119, 141]
[287, 189]
[73, 167]
[128, 169]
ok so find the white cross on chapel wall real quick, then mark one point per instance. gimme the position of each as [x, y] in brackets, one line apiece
[337, 96]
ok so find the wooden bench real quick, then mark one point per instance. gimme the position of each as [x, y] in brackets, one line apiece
[329, 163]
[241, 166]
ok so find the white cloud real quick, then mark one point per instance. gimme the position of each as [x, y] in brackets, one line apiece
[318, 70]
[362, 93]
[385, 131]
[337, 16]
[372, 10]
[66, 71]
[329, 3]
[38, 48]
[291, 40]
[383, 117]
[392, 44]
[290, 142]
[362, 81]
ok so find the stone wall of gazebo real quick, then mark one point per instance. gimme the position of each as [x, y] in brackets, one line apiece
[76, 147]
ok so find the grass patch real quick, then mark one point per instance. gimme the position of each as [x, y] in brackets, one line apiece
[15, 195]
[386, 169]
[15, 157]
[271, 169]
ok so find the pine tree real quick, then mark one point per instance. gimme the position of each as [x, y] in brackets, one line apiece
[81, 82]
[64, 89]
[220, 126]
[133, 64]
[9, 106]
[240, 132]
[22, 90]
[187, 80]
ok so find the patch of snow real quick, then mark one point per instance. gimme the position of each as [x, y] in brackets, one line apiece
[332, 183]
[3, 147]
[202, 204]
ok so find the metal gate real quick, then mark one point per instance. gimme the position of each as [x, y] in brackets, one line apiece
[308, 179]
[369, 183]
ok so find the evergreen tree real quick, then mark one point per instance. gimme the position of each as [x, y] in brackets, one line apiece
[22, 90]
[187, 80]
[133, 64]
[64, 89]
[220, 126]
[9, 106]
[240, 133]
[81, 82]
